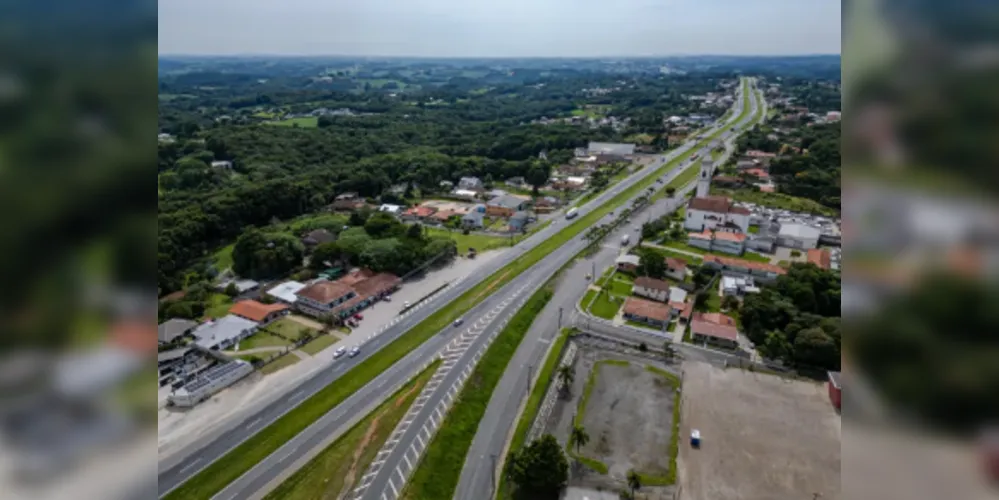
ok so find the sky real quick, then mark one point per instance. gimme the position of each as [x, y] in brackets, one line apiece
[499, 28]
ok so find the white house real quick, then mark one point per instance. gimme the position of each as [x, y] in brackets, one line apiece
[224, 332]
[285, 292]
[651, 288]
[676, 268]
[470, 183]
[715, 213]
[737, 286]
[392, 209]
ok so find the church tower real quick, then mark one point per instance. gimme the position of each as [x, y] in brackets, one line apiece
[704, 177]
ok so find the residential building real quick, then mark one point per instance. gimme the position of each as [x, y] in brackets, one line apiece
[347, 295]
[518, 221]
[714, 329]
[505, 206]
[835, 390]
[242, 286]
[627, 263]
[226, 165]
[470, 183]
[717, 213]
[472, 220]
[285, 292]
[465, 194]
[758, 172]
[347, 202]
[442, 216]
[576, 181]
[610, 149]
[676, 269]
[543, 206]
[677, 295]
[418, 213]
[759, 271]
[258, 311]
[517, 182]
[799, 236]
[175, 328]
[210, 382]
[646, 311]
[737, 286]
[318, 237]
[389, 208]
[651, 288]
[821, 257]
[747, 164]
[224, 333]
[717, 241]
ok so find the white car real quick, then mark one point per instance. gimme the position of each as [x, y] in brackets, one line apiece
[387, 298]
[354, 351]
[405, 304]
[340, 351]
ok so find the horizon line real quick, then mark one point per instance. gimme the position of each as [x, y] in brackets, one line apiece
[344, 56]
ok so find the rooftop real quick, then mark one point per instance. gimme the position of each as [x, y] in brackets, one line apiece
[324, 291]
[721, 331]
[799, 231]
[255, 311]
[732, 262]
[611, 148]
[173, 328]
[627, 259]
[646, 309]
[647, 282]
[507, 201]
[286, 291]
[821, 257]
[213, 333]
[675, 263]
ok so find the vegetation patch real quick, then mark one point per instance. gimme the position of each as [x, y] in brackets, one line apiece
[437, 474]
[301, 122]
[319, 343]
[338, 468]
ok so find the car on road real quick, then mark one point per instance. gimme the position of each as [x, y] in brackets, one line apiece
[358, 316]
[458, 321]
[354, 351]
[340, 351]
[405, 303]
[387, 298]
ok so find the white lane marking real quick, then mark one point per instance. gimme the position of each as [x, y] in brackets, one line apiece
[188, 466]
[392, 485]
[252, 424]
[295, 396]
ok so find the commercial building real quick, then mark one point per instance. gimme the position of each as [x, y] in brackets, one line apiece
[646, 311]
[715, 213]
[716, 241]
[224, 332]
[347, 295]
[714, 329]
[209, 382]
[610, 149]
[505, 205]
[799, 236]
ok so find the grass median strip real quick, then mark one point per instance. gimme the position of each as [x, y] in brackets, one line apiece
[338, 468]
[438, 472]
[237, 461]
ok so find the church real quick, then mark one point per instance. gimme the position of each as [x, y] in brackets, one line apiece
[713, 213]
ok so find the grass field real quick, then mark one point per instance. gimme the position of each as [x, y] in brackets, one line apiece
[437, 474]
[223, 257]
[318, 344]
[303, 122]
[339, 467]
[262, 339]
[621, 284]
[604, 307]
[282, 362]
[776, 200]
[750, 256]
[585, 302]
[216, 476]
[290, 329]
[479, 242]
[218, 305]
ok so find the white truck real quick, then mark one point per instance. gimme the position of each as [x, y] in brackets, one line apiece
[625, 239]
[571, 213]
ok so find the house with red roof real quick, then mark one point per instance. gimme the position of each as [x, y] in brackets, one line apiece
[714, 329]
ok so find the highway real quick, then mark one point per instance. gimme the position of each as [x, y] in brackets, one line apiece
[487, 452]
[185, 465]
[395, 463]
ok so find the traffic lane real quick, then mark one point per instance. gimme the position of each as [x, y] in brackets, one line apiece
[386, 383]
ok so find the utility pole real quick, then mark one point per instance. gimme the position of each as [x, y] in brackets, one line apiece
[560, 319]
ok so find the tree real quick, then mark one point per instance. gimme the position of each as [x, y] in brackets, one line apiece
[702, 276]
[539, 470]
[651, 264]
[565, 377]
[701, 301]
[730, 302]
[814, 348]
[578, 437]
[415, 232]
[231, 290]
[634, 482]
[670, 191]
[538, 175]
[382, 225]
[257, 254]
[325, 255]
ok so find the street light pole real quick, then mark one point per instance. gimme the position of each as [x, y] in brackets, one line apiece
[560, 319]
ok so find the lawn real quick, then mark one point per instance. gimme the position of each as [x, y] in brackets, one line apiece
[437, 474]
[218, 305]
[223, 257]
[776, 200]
[585, 302]
[754, 229]
[290, 329]
[604, 307]
[303, 122]
[714, 301]
[318, 344]
[620, 286]
[262, 339]
[282, 362]
[479, 242]
[227, 468]
[665, 252]
[338, 468]
[750, 256]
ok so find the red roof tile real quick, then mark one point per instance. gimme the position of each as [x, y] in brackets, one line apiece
[698, 327]
[646, 309]
[255, 311]
[325, 292]
[820, 257]
[673, 263]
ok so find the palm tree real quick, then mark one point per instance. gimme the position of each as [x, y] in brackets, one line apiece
[634, 482]
[578, 437]
[565, 376]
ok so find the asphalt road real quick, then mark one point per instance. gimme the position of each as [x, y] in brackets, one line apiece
[182, 466]
[478, 476]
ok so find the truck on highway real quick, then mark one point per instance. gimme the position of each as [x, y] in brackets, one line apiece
[571, 213]
[625, 239]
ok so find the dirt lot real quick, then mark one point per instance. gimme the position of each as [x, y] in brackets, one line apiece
[629, 417]
[763, 437]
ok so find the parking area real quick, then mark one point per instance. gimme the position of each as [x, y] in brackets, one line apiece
[763, 437]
